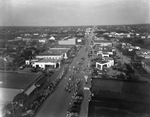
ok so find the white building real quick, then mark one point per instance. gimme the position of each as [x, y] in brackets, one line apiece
[42, 40]
[52, 38]
[44, 63]
[104, 54]
[30, 62]
[67, 42]
[103, 43]
[107, 62]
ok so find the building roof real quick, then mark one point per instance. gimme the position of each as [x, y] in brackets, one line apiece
[119, 98]
[35, 59]
[52, 38]
[48, 60]
[64, 46]
[117, 108]
[61, 51]
[133, 91]
[54, 52]
[17, 80]
[49, 54]
[57, 48]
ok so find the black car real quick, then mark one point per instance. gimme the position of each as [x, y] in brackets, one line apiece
[77, 102]
[80, 98]
[74, 109]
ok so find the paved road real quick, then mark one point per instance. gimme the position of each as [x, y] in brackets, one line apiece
[57, 103]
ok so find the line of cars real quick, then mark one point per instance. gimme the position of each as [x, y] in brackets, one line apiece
[42, 96]
[70, 84]
[73, 84]
[75, 105]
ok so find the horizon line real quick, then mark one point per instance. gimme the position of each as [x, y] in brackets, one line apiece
[78, 25]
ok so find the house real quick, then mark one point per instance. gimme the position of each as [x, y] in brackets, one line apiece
[43, 40]
[52, 38]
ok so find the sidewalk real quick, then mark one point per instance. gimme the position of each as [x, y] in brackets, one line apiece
[87, 94]
[85, 104]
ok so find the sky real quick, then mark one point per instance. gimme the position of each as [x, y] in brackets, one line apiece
[73, 12]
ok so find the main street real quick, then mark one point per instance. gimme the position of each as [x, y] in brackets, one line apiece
[57, 103]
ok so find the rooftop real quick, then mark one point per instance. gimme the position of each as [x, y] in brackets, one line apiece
[17, 80]
[58, 50]
[116, 108]
[54, 51]
[119, 98]
[50, 54]
[48, 60]
[136, 91]
[64, 46]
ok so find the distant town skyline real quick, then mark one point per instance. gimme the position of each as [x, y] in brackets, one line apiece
[73, 12]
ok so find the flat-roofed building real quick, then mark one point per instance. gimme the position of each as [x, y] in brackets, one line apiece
[50, 56]
[13, 83]
[63, 51]
[30, 62]
[102, 43]
[105, 62]
[45, 63]
[99, 49]
[119, 98]
[104, 54]
[71, 41]
[42, 40]
[63, 46]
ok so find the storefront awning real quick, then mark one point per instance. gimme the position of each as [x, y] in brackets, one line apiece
[30, 89]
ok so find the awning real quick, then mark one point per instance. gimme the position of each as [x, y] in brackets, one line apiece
[30, 89]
